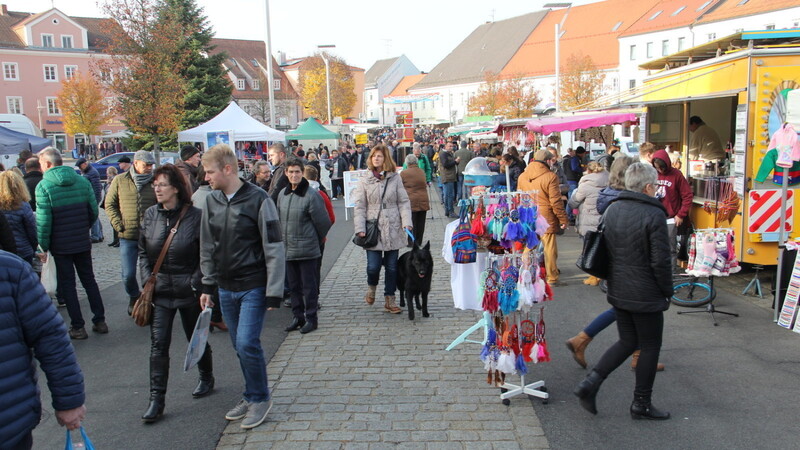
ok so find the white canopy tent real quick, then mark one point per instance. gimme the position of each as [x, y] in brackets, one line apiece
[240, 125]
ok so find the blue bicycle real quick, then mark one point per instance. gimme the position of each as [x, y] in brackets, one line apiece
[692, 293]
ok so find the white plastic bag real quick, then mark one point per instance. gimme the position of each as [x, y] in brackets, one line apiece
[49, 278]
[197, 344]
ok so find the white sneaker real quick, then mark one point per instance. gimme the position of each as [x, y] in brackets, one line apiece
[256, 414]
[238, 411]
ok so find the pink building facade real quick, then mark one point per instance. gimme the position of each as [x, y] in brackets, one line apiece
[39, 51]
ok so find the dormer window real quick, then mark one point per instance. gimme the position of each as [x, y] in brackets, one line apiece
[256, 85]
[240, 84]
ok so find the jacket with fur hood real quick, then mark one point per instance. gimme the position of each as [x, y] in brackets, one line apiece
[538, 177]
[673, 189]
[585, 199]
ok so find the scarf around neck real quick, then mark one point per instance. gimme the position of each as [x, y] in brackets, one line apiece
[140, 179]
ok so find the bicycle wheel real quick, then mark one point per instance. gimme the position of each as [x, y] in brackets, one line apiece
[692, 294]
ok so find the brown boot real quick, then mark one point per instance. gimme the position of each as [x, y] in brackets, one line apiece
[635, 360]
[577, 345]
[370, 296]
[390, 306]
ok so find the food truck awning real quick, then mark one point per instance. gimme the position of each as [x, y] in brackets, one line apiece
[549, 125]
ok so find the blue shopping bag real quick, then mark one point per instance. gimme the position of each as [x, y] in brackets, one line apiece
[87, 444]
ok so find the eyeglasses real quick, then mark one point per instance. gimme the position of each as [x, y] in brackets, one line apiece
[161, 185]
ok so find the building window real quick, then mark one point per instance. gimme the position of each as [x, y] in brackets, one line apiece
[633, 53]
[47, 40]
[649, 50]
[770, 27]
[66, 41]
[256, 85]
[631, 84]
[681, 43]
[105, 76]
[712, 36]
[69, 71]
[276, 85]
[240, 84]
[616, 26]
[50, 72]
[52, 107]
[10, 72]
[678, 11]
[14, 105]
[665, 47]
[655, 15]
[702, 7]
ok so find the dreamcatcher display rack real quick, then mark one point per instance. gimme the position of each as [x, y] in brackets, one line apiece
[511, 288]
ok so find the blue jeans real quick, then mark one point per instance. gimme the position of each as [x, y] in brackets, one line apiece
[601, 322]
[244, 314]
[129, 251]
[459, 187]
[449, 196]
[96, 233]
[572, 186]
[376, 259]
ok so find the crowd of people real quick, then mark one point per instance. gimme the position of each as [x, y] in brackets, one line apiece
[241, 245]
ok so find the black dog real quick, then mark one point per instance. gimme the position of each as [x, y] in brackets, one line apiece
[414, 274]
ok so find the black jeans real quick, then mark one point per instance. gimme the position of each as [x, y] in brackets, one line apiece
[161, 331]
[636, 330]
[418, 222]
[304, 288]
[66, 265]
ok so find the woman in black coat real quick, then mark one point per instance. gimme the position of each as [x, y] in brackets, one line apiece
[639, 288]
[177, 283]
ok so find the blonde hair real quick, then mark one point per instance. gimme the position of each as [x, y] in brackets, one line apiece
[647, 148]
[111, 172]
[594, 167]
[388, 162]
[222, 155]
[13, 191]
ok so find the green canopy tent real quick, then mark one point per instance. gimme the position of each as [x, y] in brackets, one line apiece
[311, 130]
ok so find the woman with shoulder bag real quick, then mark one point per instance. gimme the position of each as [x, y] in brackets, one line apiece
[381, 196]
[639, 288]
[177, 282]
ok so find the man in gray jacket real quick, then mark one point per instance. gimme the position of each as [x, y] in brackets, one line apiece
[241, 251]
[305, 223]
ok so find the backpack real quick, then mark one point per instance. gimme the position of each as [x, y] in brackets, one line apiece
[463, 242]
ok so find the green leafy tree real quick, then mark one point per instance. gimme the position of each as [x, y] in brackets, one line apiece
[145, 67]
[208, 89]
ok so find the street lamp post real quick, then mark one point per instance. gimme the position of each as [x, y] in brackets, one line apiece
[270, 82]
[327, 80]
[559, 32]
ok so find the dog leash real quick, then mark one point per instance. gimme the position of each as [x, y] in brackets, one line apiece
[410, 235]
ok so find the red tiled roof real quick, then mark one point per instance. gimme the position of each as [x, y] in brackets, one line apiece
[405, 83]
[733, 8]
[8, 38]
[673, 14]
[591, 29]
[241, 54]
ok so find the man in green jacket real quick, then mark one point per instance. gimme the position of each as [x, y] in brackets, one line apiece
[65, 210]
[422, 161]
[128, 197]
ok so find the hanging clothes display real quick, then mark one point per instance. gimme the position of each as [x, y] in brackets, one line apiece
[712, 253]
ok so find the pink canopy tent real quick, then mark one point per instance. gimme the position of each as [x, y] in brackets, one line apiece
[547, 125]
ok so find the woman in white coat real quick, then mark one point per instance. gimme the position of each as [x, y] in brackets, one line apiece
[393, 217]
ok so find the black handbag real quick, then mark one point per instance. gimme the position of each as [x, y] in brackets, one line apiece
[594, 257]
[371, 234]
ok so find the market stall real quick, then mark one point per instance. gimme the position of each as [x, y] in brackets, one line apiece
[311, 133]
[230, 126]
[738, 86]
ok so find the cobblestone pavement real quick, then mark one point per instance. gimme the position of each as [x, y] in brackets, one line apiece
[369, 379]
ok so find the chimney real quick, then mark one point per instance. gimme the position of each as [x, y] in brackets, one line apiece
[281, 58]
[3, 10]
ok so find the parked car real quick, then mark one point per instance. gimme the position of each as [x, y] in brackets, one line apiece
[103, 164]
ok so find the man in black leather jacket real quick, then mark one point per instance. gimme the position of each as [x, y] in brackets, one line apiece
[241, 251]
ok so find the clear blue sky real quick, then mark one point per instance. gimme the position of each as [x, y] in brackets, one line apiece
[362, 30]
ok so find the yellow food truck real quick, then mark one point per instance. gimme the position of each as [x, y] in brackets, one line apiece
[740, 86]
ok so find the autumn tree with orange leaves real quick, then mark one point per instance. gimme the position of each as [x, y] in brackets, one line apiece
[511, 97]
[145, 66]
[581, 82]
[82, 104]
[313, 92]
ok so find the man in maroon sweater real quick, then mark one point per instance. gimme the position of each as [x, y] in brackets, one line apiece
[675, 194]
